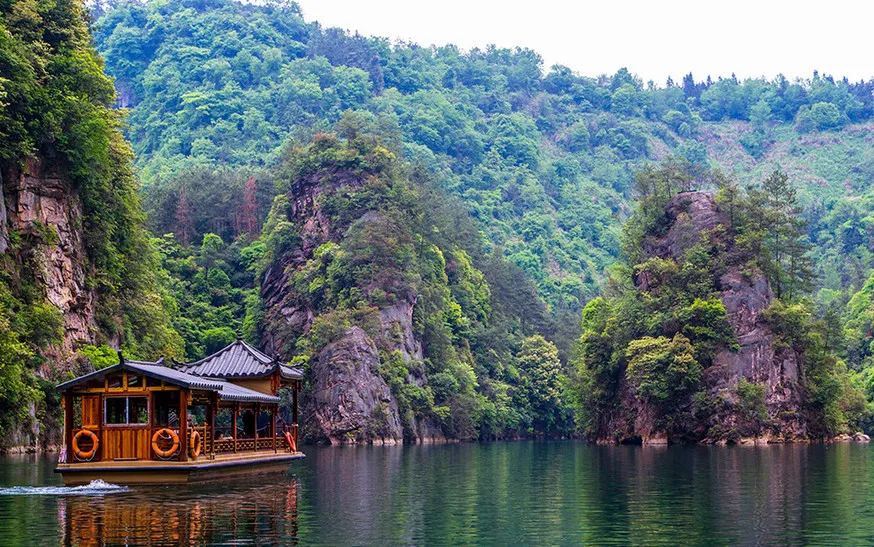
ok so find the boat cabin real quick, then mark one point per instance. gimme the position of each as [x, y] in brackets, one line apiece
[226, 406]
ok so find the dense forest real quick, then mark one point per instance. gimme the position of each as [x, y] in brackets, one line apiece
[515, 199]
[69, 206]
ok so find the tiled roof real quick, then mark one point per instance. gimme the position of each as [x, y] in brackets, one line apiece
[238, 360]
[233, 392]
[226, 390]
[153, 370]
[292, 373]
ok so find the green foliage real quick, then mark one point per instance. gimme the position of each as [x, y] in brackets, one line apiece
[99, 356]
[216, 338]
[212, 290]
[544, 160]
[17, 385]
[663, 370]
[543, 382]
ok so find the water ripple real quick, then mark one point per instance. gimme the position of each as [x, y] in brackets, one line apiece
[93, 488]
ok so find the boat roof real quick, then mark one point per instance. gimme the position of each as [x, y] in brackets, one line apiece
[239, 360]
[157, 370]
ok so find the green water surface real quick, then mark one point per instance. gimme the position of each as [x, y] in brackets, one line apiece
[515, 493]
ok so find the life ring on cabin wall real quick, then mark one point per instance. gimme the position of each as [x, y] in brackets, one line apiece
[85, 455]
[194, 444]
[291, 444]
[165, 434]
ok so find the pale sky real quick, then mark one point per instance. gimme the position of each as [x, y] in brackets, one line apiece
[654, 39]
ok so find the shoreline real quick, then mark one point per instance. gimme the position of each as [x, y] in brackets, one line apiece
[859, 438]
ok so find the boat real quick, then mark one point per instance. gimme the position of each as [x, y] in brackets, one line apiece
[138, 422]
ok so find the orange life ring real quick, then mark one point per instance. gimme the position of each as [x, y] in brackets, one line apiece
[85, 455]
[162, 434]
[194, 444]
[291, 444]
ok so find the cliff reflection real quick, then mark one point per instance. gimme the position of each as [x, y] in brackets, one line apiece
[186, 516]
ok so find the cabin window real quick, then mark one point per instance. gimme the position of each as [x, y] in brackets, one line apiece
[137, 410]
[166, 409]
[223, 424]
[77, 412]
[114, 382]
[135, 381]
[126, 410]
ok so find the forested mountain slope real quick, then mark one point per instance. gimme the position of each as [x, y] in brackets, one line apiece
[227, 100]
[542, 158]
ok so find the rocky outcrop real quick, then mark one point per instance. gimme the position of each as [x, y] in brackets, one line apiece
[693, 217]
[44, 212]
[42, 249]
[349, 401]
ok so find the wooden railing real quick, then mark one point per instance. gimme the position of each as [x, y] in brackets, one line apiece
[210, 446]
[280, 444]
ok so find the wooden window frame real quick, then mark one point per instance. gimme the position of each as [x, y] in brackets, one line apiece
[127, 411]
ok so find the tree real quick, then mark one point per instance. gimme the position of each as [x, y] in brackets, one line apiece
[538, 360]
[663, 370]
[209, 252]
[775, 233]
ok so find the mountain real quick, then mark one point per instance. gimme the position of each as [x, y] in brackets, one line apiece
[544, 160]
[421, 225]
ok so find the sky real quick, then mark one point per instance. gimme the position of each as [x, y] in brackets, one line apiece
[653, 39]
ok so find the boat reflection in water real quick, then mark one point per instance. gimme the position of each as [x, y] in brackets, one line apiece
[218, 513]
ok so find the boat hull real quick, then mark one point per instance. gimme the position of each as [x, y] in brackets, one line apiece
[157, 472]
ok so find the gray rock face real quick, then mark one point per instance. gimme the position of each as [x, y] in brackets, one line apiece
[40, 205]
[349, 402]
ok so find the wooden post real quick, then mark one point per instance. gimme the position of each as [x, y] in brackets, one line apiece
[101, 416]
[68, 424]
[183, 425]
[273, 409]
[294, 390]
[213, 410]
[255, 414]
[234, 425]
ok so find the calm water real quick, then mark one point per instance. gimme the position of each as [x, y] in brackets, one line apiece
[531, 493]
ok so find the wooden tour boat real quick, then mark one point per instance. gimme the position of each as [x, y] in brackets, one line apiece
[149, 423]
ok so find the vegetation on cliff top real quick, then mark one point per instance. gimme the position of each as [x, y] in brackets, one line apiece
[661, 322]
[486, 371]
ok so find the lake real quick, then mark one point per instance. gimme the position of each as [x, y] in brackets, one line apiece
[530, 493]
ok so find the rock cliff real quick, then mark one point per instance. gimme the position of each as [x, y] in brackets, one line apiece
[43, 251]
[42, 211]
[694, 217]
[347, 401]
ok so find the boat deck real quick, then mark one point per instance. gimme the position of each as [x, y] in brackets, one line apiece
[128, 472]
